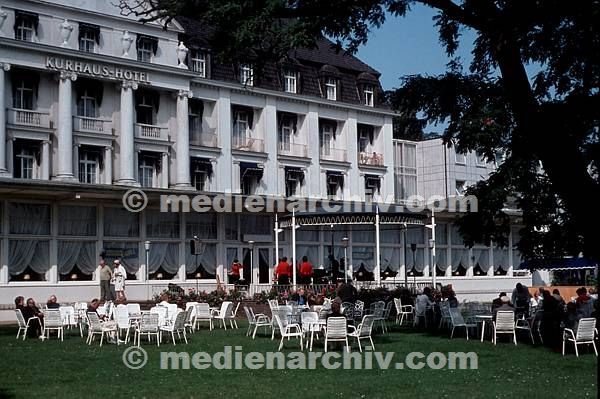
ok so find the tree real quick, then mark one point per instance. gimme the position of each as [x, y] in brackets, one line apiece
[547, 126]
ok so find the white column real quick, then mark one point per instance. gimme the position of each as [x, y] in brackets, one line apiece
[76, 161]
[65, 126]
[183, 141]
[311, 132]
[354, 181]
[108, 165]
[45, 169]
[127, 140]
[377, 249]
[10, 155]
[223, 172]
[490, 271]
[294, 262]
[235, 186]
[164, 173]
[387, 182]
[3, 167]
[271, 146]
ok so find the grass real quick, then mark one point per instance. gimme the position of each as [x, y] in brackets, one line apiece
[72, 369]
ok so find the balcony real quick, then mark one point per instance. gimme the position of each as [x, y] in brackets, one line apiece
[333, 154]
[204, 138]
[292, 149]
[92, 125]
[370, 159]
[151, 132]
[27, 117]
[249, 144]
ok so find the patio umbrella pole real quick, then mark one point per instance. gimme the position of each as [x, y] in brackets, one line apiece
[294, 248]
[377, 249]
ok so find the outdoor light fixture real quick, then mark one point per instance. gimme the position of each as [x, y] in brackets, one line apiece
[27, 277]
[147, 245]
[251, 248]
[73, 276]
[198, 275]
[345, 245]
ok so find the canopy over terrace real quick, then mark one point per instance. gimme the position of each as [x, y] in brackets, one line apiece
[360, 214]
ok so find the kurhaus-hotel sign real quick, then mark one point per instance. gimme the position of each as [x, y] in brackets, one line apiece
[92, 69]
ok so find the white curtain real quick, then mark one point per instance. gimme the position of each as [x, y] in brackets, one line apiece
[80, 253]
[441, 259]
[307, 234]
[162, 224]
[363, 256]
[456, 238]
[311, 252]
[391, 235]
[165, 255]
[119, 222]
[127, 252]
[441, 233]
[32, 253]
[77, 220]
[208, 259]
[204, 225]
[460, 256]
[482, 257]
[390, 257]
[364, 233]
[501, 258]
[29, 219]
[414, 236]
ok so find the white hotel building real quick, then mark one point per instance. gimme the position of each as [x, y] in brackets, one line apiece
[97, 103]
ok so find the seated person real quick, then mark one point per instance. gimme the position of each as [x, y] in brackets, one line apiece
[570, 316]
[347, 292]
[20, 303]
[300, 297]
[93, 308]
[52, 302]
[585, 304]
[35, 325]
[506, 306]
[496, 303]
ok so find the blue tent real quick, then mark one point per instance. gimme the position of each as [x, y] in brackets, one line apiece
[559, 264]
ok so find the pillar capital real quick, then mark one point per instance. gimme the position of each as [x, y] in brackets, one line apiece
[185, 93]
[5, 66]
[128, 84]
[64, 75]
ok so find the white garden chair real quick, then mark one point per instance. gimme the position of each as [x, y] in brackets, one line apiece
[232, 315]
[223, 314]
[53, 321]
[505, 324]
[172, 311]
[178, 326]
[586, 331]
[445, 318]
[288, 330]
[359, 310]
[457, 320]
[123, 321]
[23, 325]
[189, 321]
[97, 327]
[403, 311]
[149, 325]
[336, 330]
[161, 311]
[363, 331]
[273, 304]
[192, 305]
[134, 310]
[310, 325]
[68, 317]
[255, 321]
[203, 313]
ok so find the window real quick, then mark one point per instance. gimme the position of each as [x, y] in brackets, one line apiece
[246, 75]
[331, 89]
[327, 133]
[290, 80]
[365, 138]
[196, 109]
[460, 158]
[86, 104]
[405, 170]
[198, 62]
[335, 184]
[286, 130]
[294, 177]
[200, 173]
[241, 127]
[89, 36]
[89, 166]
[23, 94]
[146, 48]
[250, 174]
[26, 159]
[480, 159]
[460, 187]
[148, 170]
[25, 25]
[372, 186]
[145, 109]
[368, 94]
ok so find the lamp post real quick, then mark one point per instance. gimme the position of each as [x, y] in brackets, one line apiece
[345, 245]
[251, 247]
[404, 243]
[147, 248]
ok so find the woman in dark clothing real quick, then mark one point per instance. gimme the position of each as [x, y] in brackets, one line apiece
[551, 318]
[35, 326]
[20, 303]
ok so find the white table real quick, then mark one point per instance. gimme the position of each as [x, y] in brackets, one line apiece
[483, 318]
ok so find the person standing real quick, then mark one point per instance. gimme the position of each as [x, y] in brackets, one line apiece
[105, 277]
[306, 271]
[234, 272]
[282, 272]
[120, 275]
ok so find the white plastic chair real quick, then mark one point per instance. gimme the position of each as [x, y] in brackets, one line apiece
[255, 321]
[161, 311]
[233, 315]
[505, 324]
[149, 325]
[123, 321]
[336, 330]
[172, 311]
[288, 330]
[310, 325]
[67, 315]
[403, 311]
[178, 326]
[203, 313]
[457, 320]
[23, 325]
[96, 327]
[134, 310]
[363, 331]
[191, 305]
[53, 321]
[223, 314]
[586, 331]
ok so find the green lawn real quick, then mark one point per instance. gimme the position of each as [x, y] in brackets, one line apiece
[54, 369]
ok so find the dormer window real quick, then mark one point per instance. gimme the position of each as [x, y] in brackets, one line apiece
[198, 62]
[290, 81]
[246, 75]
[331, 89]
[147, 47]
[368, 95]
[26, 24]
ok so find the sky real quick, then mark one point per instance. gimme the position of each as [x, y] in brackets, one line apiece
[409, 45]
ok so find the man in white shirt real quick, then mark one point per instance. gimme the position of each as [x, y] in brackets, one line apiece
[120, 275]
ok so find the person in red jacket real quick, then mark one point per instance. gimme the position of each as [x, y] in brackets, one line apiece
[234, 272]
[282, 272]
[306, 271]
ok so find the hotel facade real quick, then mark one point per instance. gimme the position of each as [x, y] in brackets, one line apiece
[95, 104]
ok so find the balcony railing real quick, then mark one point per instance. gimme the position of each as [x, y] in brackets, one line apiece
[333, 154]
[26, 117]
[151, 132]
[248, 144]
[373, 159]
[204, 139]
[292, 149]
[92, 125]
